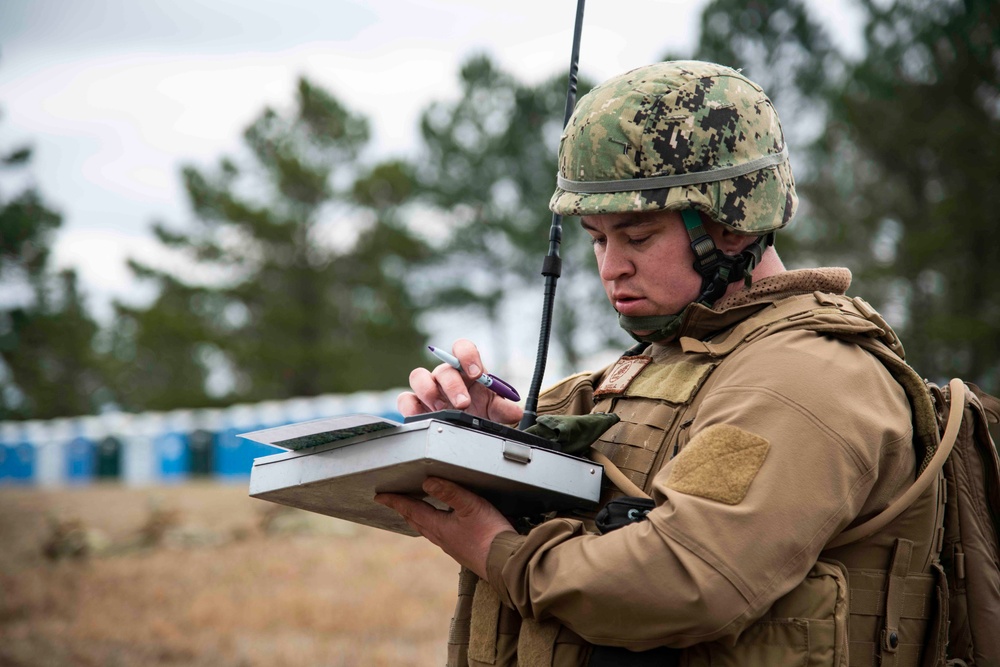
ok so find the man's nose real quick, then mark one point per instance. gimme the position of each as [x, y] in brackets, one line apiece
[616, 263]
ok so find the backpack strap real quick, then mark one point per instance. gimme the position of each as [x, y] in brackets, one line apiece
[991, 404]
[930, 472]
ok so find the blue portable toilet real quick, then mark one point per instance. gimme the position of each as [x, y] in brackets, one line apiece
[4, 475]
[17, 453]
[173, 456]
[80, 455]
[8, 436]
[235, 455]
[19, 456]
[227, 459]
[173, 446]
[20, 462]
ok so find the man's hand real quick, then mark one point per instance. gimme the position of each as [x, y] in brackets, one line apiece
[465, 533]
[445, 388]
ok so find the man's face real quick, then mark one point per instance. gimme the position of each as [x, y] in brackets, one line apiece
[645, 261]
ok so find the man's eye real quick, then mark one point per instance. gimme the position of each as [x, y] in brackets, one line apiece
[639, 240]
[597, 240]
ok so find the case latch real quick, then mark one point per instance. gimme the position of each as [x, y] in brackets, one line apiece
[515, 451]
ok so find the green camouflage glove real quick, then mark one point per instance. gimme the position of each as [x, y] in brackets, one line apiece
[573, 434]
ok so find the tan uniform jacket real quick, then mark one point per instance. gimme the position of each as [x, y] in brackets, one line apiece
[755, 460]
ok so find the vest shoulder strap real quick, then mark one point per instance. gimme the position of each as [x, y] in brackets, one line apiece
[851, 319]
[819, 311]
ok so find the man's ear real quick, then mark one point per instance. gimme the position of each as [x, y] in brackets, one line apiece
[732, 243]
[724, 238]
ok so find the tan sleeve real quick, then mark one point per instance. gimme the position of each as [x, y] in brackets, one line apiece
[817, 417]
[573, 395]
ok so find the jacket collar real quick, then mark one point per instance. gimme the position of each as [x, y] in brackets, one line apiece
[702, 322]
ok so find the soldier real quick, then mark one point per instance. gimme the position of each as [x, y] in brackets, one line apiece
[764, 412]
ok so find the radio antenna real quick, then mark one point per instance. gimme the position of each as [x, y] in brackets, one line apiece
[552, 266]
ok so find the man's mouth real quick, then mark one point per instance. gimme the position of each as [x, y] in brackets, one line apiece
[624, 303]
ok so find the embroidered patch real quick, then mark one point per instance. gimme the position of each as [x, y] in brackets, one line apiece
[621, 375]
[719, 464]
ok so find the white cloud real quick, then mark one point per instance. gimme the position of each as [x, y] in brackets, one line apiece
[99, 256]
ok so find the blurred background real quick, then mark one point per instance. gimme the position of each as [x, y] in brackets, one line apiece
[216, 216]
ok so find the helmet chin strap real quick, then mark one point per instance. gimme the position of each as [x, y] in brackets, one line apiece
[717, 270]
[660, 327]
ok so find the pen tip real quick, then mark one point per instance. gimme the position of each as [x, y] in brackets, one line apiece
[430, 347]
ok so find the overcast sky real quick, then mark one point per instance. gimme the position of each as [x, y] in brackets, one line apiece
[115, 95]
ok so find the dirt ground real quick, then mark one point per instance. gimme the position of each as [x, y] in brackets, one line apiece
[201, 574]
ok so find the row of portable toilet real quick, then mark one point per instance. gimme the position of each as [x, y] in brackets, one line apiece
[156, 448]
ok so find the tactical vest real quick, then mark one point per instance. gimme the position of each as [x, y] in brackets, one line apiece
[873, 602]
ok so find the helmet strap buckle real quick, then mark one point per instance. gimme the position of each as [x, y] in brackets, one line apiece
[717, 269]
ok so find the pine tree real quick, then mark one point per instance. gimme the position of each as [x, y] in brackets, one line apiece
[297, 271]
[49, 366]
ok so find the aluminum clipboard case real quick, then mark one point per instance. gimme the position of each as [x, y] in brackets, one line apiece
[361, 455]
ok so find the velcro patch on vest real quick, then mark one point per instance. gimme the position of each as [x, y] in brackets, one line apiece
[621, 375]
[484, 624]
[676, 382]
[536, 642]
[719, 464]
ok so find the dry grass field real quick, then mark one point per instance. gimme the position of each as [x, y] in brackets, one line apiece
[201, 574]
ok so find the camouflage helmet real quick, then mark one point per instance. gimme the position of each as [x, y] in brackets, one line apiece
[677, 135]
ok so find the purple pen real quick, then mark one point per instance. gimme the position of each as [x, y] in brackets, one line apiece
[488, 380]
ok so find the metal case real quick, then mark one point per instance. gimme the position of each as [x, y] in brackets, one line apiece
[341, 478]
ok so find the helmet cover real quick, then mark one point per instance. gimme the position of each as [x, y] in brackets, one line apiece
[676, 135]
